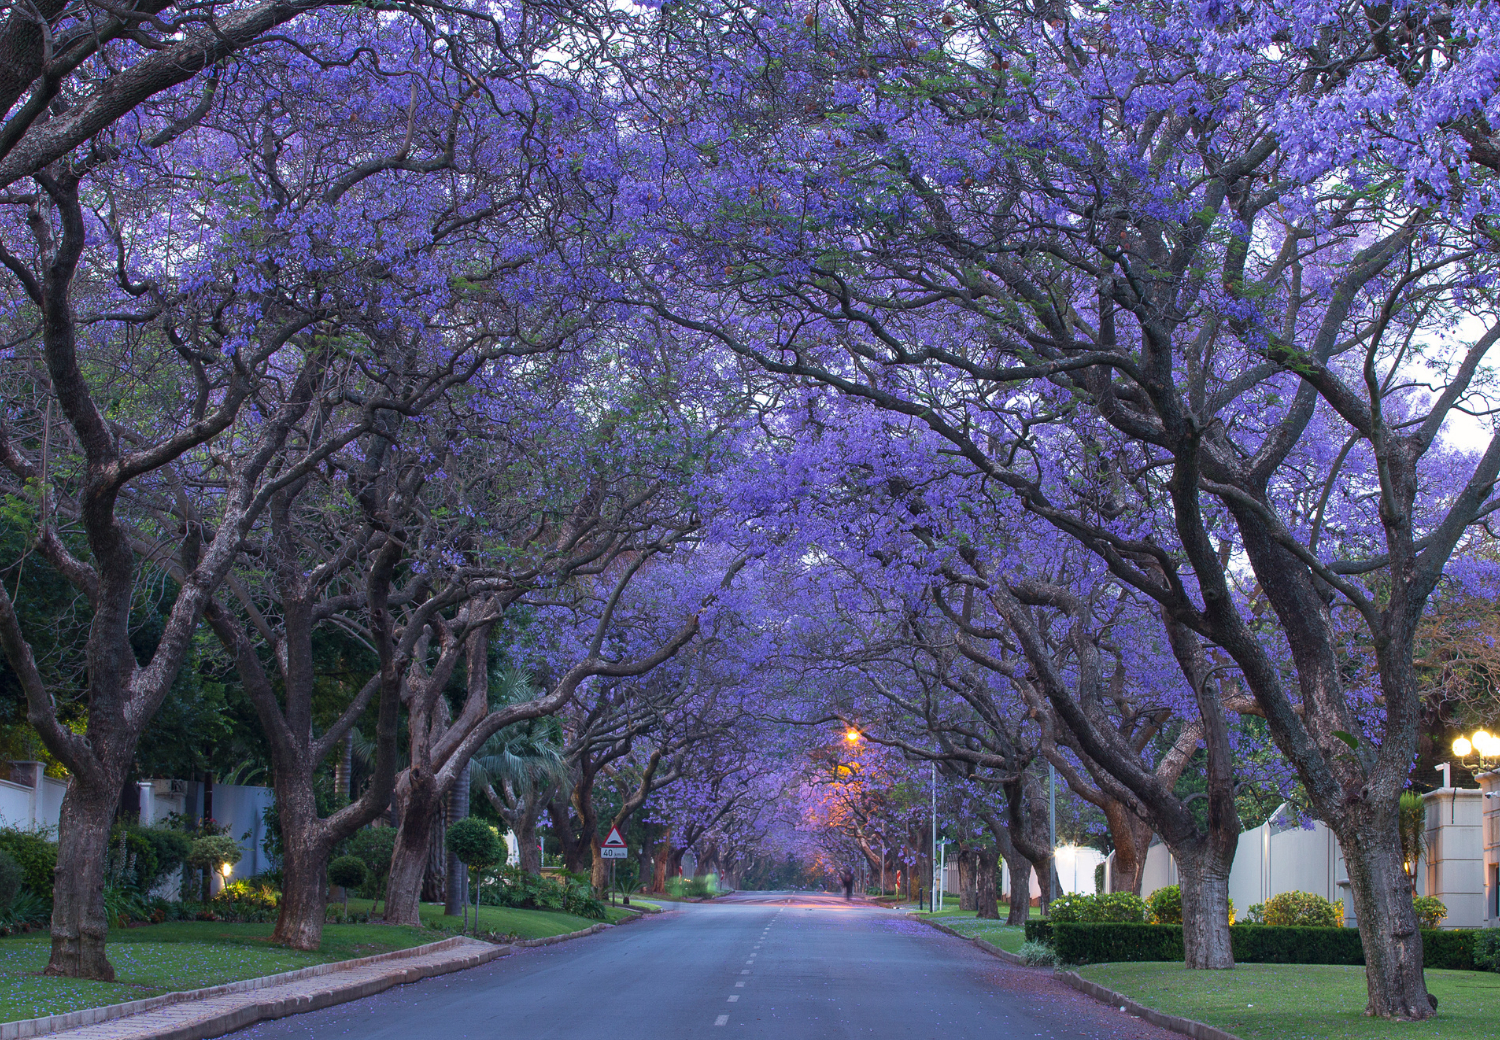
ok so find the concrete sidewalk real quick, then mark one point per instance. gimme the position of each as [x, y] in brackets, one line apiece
[199, 1014]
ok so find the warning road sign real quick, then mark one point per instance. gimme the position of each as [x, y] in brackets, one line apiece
[613, 852]
[614, 841]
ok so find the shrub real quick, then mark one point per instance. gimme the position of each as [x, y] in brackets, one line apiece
[1119, 908]
[26, 911]
[171, 850]
[1453, 949]
[1166, 905]
[249, 893]
[36, 856]
[1037, 955]
[1487, 949]
[1071, 907]
[1303, 910]
[1257, 913]
[692, 887]
[347, 872]
[1430, 911]
[1098, 879]
[1095, 943]
[1255, 944]
[373, 846]
[10, 881]
[1038, 931]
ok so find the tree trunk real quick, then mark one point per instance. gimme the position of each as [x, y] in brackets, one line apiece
[985, 861]
[1132, 838]
[1203, 875]
[304, 895]
[79, 926]
[403, 889]
[1388, 928]
[659, 867]
[598, 868]
[966, 881]
[1020, 890]
[531, 853]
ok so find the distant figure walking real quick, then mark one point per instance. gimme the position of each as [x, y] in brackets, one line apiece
[848, 880]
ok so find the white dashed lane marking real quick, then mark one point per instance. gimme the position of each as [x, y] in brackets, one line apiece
[733, 997]
[722, 1020]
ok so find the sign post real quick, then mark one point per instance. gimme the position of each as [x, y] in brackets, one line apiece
[614, 848]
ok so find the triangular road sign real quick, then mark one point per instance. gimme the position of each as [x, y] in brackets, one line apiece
[614, 841]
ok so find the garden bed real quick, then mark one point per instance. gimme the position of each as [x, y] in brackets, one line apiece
[968, 924]
[1302, 1001]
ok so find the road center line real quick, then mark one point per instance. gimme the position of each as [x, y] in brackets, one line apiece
[733, 997]
[722, 1020]
[740, 983]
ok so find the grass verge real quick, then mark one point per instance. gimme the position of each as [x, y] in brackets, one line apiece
[182, 955]
[504, 920]
[1297, 1001]
[997, 933]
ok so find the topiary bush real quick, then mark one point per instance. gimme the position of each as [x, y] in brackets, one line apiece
[1430, 911]
[1303, 910]
[373, 846]
[474, 842]
[347, 872]
[1097, 943]
[214, 851]
[36, 856]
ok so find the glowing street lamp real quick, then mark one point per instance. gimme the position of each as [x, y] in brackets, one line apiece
[853, 736]
[1480, 748]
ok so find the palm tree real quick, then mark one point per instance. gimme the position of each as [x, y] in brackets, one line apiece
[1413, 825]
[518, 768]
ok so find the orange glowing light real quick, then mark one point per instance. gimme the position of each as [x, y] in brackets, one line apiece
[852, 736]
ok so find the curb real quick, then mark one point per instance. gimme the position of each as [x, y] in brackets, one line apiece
[272, 1008]
[988, 947]
[548, 940]
[1186, 1026]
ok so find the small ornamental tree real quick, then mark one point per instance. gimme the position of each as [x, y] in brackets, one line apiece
[1303, 909]
[476, 845]
[211, 854]
[347, 872]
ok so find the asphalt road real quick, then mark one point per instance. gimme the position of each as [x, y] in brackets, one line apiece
[765, 966]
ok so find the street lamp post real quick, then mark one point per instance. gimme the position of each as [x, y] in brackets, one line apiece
[1480, 748]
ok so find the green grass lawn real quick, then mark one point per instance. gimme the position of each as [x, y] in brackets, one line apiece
[190, 954]
[182, 955]
[997, 933]
[1296, 1001]
[504, 920]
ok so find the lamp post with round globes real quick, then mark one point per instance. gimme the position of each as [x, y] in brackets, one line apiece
[1479, 751]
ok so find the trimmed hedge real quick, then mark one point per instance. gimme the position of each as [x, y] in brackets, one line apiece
[1252, 944]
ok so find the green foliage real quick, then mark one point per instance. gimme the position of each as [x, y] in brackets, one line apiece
[1411, 817]
[474, 842]
[213, 851]
[36, 855]
[1166, 905]
[1076, 907]
[1487, 949]
[373, 846]
[28, 910]
[1092, 943]
[1098, 878]
[347, 872]
[693, 887]
[1257, 913]
[1039, 931]
[1037, 955]
[1430, 910]
[1304, 910]
[124, 905]
[564, 891]
[10, 881]
[1265, 944]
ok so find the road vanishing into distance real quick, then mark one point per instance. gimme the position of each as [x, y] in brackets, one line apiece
[767, 966]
